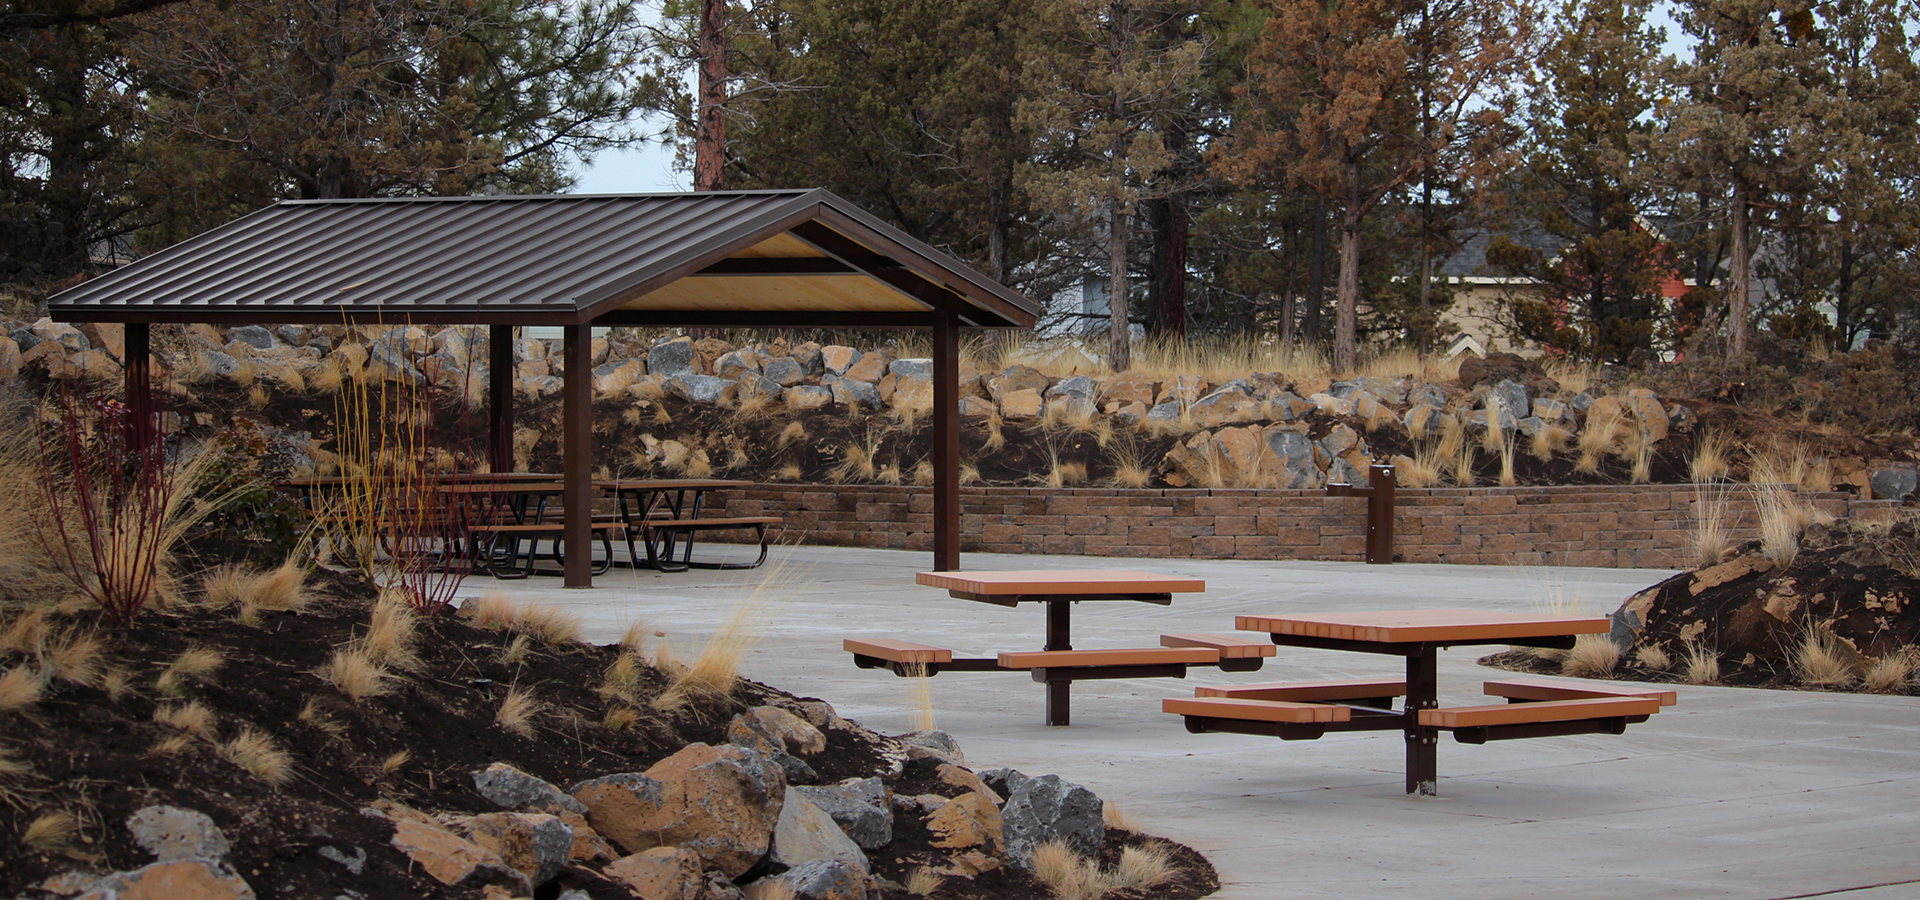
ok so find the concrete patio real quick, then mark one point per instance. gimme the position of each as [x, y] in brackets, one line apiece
[1733, 793]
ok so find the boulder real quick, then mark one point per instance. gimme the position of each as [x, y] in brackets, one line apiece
[806, 396]
[820, 880]
[1132, 412]
[1165, 411]
[184, 879]
[1294, 450]
[673, 358]
[1128, 387]
[975, 406]
[785, 371]
[752, 384]
[1047, 809]
[451, 859]
[1242, 455]
[1286, 406]
[1014, 379]
[969, 820]
[1680, 419]
[913, 393]
[1512, 398]
[804, 833]
[171, 833]
[1226, 406]
[1388, 390]
[1021, 404]
[738, 363]
[859, 806]
[1079, 386]
[721, 802]
[779, 735]
[661, 873]
[849, 391]
[1429, 395]
[703, 388]
[537, 845]
[61, 333]
[1648, 414]
[870, 368]
[9, 358]
[807, 354]
[253, 335]
[1345, 471]
[708, 349]
[1331, 405]
[1184, 388]
[921, 367]
[1426, 421]
[836, 360]
[1070, 409]
[110, 337]
[1896, 484]
[933, 744]
[532, 368]
[1551, 411]
[1339, 440]
[1601, 410]
[1370, 409]
[1003, 781]
[963, 778]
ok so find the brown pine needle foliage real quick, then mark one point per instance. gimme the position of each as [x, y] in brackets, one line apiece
[1592, 656]
[19, 689]
[51, 832]
[256, 752]
[517, 711]
[355, 672]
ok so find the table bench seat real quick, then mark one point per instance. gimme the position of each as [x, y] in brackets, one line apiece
[1143, 656]
[897, 651]
[1522, 691]
[1230, 646]
[1378, 692]
[488, 537]
[1545, 718]
[665, 531]
[1255, 710]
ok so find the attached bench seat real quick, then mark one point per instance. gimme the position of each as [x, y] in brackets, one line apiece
[1525, 691]
[1543, 718]
[1373, 692]
[1255, 710]
[1237, 654]
[666, 531]
[913, 658]
[498, 545]
[1143, 656]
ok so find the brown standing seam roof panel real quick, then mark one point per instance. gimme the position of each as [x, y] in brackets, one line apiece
[562, 259]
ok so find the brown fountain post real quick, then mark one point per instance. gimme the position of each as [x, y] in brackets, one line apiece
[1379, 491]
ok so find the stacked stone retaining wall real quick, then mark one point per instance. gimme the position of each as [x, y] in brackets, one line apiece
[1639, 526]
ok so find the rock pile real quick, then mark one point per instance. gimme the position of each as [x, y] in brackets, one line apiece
[733, 821]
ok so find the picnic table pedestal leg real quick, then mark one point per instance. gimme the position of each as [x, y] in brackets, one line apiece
[1423, 692]
[1059, 621]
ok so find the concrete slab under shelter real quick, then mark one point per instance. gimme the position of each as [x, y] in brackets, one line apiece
[1734, 793]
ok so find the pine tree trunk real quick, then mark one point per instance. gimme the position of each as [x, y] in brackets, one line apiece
[1740, 271]
[710, 126]
[1118, 334]
[1167, 287]
[1346, 318]
[1316, 273]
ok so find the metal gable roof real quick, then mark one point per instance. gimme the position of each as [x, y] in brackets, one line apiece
[746, 257]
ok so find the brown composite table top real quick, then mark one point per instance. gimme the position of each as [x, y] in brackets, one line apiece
[1072, 582]
[1418, 625]
[668, 484]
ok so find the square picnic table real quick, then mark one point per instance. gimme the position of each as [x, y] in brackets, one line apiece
[1309, 710]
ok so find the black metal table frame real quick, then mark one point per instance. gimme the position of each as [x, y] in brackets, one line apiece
[1423, 690]
[646, 498]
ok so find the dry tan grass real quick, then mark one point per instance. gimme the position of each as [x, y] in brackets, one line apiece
[312, 714]
[857, 460]
[1493, 435]
[492, 610]
[1598, 437]
[1891, 673]
[117, 682]
[258, 396]
[790, 472]
[1130, 466]
[256, 752]
[1593, 656]
[75, 656]
[1653, 657]
[1064, 474]
[1066, 873]
[920, 716]
[1710, 458]
[996, 433]
[1702, 665]
[356, 673]
[517, 651]
[1710, 538]
[19, 689]
[1116, 816]
[171, 745]
[1421, 470]
[1780, 523]
[969, 473]
[923, 881]
[390, 635]
[191, 719]
[26, 634]
[1819, 661]
[518, 710]
[620, 718]
[634, 639]
[51, 832]
[1142, 868]
[1507, 476]
[11, 769]
[395, 762]
[922, 474]
[1791, 461]
[549, 624]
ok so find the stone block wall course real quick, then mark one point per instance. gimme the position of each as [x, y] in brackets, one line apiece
[1646, 526]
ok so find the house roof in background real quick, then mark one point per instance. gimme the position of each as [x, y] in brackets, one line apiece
[794, 258]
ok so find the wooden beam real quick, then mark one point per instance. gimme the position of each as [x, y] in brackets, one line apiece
[777, 266]
[577, 448]
[499, 397]
[946, 443]
[880, 268]
[135, 359]
[773, 319]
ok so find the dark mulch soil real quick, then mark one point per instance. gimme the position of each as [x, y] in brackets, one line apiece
[1858, 582]
[91, 753]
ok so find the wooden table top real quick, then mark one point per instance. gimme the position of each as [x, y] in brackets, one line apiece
[522, 487]
[442, 478]
[668, 484]
[1409, 626]
[1088, 581]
